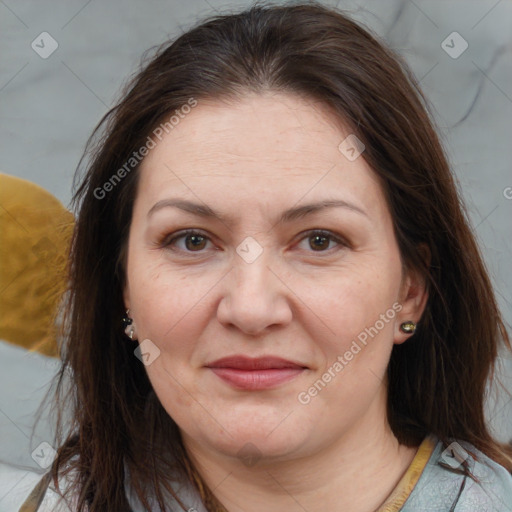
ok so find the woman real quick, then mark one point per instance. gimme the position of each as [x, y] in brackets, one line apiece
[276, 301]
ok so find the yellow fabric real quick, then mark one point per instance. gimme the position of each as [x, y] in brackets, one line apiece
[405, 486]
[35, 498]
[35, 232]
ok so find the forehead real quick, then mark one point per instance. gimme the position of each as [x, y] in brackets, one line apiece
[274, 147]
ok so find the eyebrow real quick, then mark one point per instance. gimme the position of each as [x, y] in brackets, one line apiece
[289, 215]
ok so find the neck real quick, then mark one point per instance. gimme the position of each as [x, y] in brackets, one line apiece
[357, 472]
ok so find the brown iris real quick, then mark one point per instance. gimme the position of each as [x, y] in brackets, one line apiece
[317, 238]
[197, 242]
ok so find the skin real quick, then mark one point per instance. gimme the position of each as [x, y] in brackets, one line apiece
[301, 299]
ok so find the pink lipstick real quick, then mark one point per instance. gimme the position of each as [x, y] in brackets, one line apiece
[253, 374]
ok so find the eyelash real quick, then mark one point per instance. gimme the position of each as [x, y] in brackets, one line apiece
[167, 242]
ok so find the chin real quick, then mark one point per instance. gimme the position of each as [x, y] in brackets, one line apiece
[252, 442]
[254, 431]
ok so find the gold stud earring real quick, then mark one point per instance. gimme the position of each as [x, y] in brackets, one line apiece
[408, 327]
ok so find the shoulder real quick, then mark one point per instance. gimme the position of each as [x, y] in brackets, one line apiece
[45, 497]
[492, 487]
[446, 484]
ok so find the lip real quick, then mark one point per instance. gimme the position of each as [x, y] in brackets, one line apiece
[255, 373]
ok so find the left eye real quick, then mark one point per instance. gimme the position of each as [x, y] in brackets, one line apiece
[319, 240]
[195, 241]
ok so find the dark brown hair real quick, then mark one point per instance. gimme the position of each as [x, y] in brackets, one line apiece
[436, 381]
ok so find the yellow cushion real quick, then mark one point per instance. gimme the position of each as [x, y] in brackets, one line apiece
[35, 232]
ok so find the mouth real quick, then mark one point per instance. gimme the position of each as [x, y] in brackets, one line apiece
[253, 374]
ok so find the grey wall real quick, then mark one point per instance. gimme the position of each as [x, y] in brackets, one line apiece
[49, 106]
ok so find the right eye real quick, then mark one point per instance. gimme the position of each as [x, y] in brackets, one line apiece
[194, 241]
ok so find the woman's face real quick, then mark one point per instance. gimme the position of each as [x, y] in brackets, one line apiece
[260, 281]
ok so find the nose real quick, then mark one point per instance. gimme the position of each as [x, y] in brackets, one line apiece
[255, 298]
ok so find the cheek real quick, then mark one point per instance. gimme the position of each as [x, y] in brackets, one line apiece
[357, 312]
[353, 299]
[166, 300]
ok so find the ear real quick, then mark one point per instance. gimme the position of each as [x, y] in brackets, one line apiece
[413, 297]
[126, 295]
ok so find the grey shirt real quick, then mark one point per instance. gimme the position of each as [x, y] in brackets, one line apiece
[445, 485]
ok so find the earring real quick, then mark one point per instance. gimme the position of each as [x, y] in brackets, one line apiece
[129, 329]
[408, 327]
